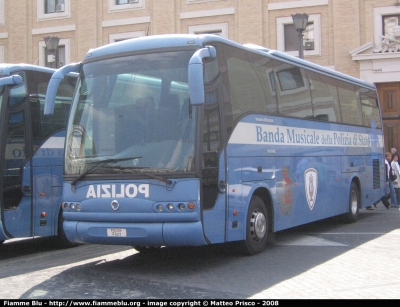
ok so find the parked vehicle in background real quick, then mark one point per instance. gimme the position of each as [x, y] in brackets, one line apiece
[185, 140]
[31, 152]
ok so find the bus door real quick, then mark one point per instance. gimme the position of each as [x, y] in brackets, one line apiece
[15, 152]
[48, 135]
[213, 197]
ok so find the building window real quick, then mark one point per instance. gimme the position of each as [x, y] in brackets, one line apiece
[120, 2]
[54, 6]
[1, 12]
[121, 5]
[61, 57]
[57, 60]
[287, 36]
[292, 37]
[389, 22]
[123, 36]
[2, 54]
[220, 29]
[52, 9]
[385, 20]
[197, 1]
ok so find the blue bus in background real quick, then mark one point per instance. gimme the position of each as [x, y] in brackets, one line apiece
[189, 140]
[31, 152]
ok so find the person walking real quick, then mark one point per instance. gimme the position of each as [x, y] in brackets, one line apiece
[389, 180]
[396, 170]
[388, 195]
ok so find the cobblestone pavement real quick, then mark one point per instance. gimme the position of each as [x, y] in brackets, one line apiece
[323, 260]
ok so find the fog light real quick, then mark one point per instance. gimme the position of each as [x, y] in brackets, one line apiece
[170, 207]
[159, 208]
[71, 206]
[78, 207]
[65, 206]
[181, 206]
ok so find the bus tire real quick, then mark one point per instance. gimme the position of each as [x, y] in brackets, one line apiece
[256, 228]
[147, 249]
[354, 204]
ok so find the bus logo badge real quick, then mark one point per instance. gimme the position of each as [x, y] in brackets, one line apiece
[311, 186]
[115, 205]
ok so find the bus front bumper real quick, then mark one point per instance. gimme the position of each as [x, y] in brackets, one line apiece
[136, 234]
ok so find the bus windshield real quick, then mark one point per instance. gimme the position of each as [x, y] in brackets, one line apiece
[138, 107]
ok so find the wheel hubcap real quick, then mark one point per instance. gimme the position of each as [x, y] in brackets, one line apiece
[258, 225]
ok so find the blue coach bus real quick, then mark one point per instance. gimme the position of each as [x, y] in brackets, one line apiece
[31, 152]
[186, 140]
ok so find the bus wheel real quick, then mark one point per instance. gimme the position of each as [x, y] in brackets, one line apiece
[256, 228]
[147, 249]
[354, 201]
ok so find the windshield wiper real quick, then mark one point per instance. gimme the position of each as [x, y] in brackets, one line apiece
[137, 170]
[100, 163]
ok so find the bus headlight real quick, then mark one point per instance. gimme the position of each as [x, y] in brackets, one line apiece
[181, 206]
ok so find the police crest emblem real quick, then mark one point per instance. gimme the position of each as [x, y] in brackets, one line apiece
[311, 186]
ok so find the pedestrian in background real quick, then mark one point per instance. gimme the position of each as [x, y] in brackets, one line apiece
[389, 181]
[393, 151]
[396, 170]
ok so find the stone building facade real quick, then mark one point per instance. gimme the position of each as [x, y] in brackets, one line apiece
[356, 37]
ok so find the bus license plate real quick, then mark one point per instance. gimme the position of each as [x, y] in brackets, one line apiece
[116, 232]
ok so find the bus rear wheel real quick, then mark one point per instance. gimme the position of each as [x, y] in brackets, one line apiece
[256, 228]
[354, 204]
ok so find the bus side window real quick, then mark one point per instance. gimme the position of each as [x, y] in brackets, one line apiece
[15, 154]
[57, 121]
[211, 148]
[350, 105]
[325, 99]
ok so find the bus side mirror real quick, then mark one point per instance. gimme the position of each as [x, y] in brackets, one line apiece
[54, 82]
[196, 72]
[11, 80]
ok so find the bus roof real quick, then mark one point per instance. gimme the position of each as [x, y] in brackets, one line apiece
[8, 69]
[191, 40]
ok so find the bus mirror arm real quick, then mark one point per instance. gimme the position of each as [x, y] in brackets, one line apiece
[54, 82]
[11, 80]
[195, 74]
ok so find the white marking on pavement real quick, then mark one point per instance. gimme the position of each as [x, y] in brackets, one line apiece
[305, 240]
